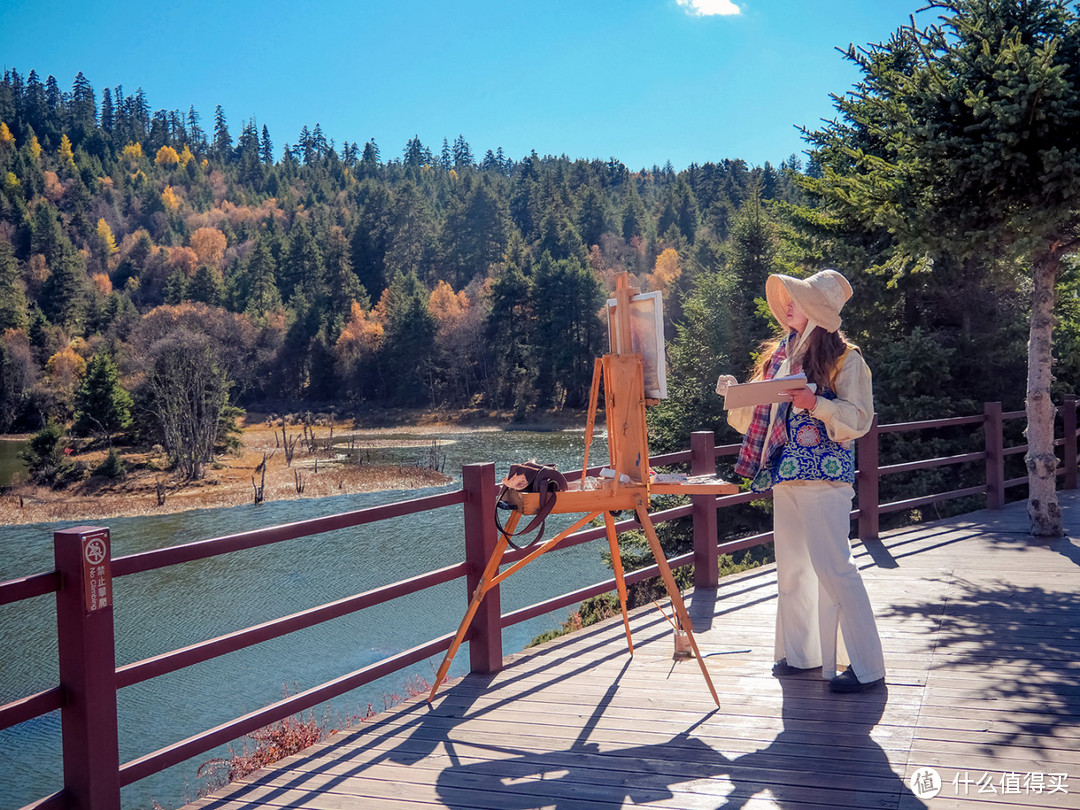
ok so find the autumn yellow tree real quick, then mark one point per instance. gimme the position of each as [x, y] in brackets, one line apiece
[357, 348]
[6, 138]
[35, 148]
[102, 283]
[209, 245]
[169, 199]
[63, 373]
[105, 234]
[166, 156]
[666, 272]
[186, 157]
[447, 306]
[133, 152]
[66, 155]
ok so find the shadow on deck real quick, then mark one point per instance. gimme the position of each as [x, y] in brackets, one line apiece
[981, 629]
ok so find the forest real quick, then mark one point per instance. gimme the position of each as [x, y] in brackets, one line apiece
[158, 271]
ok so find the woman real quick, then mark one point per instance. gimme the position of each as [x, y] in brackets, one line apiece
[803, 449]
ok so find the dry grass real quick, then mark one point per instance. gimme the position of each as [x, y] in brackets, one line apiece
[227, 483]
[290, 736]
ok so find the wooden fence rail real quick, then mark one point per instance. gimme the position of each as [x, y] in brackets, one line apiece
[82, 581]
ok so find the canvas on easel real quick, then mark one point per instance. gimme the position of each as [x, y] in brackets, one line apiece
[646, 339]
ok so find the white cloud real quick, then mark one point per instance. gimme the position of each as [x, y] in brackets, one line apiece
[706, 8]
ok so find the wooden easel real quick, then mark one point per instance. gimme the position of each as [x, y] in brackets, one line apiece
[630, 488]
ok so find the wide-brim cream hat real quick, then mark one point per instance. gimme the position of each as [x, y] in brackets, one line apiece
[820, 297]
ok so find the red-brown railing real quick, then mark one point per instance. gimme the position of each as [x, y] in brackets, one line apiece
[89, 678]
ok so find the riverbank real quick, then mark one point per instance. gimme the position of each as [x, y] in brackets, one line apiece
[326, 457]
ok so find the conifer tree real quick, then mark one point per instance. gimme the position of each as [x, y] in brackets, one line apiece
[12, 296]
[102, 406]
[66, 291]
[409, 340]
[222, 138]
[961, 140]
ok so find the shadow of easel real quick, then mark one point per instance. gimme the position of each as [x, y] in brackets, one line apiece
[628, 485]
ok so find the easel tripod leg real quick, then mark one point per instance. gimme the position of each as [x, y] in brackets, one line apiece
[673, 592]
[478, 596]
[620, 580]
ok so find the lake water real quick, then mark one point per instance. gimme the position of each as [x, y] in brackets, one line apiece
[161, 610]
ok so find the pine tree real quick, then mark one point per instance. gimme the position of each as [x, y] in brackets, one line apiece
[102, 406]
[66, 292]
[12, 296]
[409, 340]
[566, 297]
[260, 294]
[222, 138]
[176, 287]
[266, 148]
[207, 286]
[954, 142]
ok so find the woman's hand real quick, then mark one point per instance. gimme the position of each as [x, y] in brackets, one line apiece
[722, 383]
[802, 398]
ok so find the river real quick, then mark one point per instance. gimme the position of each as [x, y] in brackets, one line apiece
[161, 610]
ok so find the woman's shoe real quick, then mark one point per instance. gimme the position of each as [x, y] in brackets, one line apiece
[782, 669]
[846, 682]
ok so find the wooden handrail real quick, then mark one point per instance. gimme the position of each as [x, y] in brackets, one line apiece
[89, 776]
[201, 549]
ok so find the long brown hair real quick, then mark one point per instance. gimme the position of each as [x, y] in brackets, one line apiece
[820, 356]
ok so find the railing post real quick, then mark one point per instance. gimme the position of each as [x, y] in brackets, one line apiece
[485, 634]
[869, 476]
[994, 436]
[85, 636]
[1068, 418]
[706, 558]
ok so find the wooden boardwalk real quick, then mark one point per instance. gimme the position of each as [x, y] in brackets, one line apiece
[981, 629]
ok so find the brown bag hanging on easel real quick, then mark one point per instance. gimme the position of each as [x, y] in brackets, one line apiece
[530, 477]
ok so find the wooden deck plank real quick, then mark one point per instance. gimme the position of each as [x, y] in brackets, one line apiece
[981, 630]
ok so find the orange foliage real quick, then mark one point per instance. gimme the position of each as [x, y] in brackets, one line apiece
[166, 156]
[362, 335]
[379, 310]
[6, 138]
[38, 270]
[228, 213]
[54, 189]
[447, 306]
[209, 245]
[667, 271]
[183, 258]
[65, 367]
[218, 185]
[102, 283]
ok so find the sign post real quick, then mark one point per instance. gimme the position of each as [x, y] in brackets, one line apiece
[85, 635]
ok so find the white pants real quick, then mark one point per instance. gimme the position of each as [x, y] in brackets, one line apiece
[823, 614]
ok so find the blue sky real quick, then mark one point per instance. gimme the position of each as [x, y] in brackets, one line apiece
[643, 81]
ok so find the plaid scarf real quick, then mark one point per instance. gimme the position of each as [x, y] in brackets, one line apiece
[759, 444]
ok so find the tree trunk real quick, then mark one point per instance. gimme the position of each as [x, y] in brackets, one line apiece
[1043, 509]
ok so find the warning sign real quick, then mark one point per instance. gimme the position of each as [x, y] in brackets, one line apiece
[97, 571]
